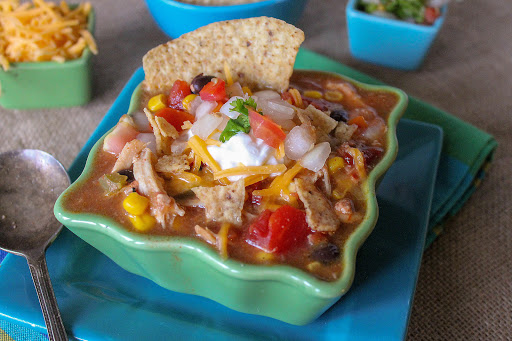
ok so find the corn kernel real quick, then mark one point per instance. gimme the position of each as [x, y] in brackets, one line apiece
[335, 163]
[313, 94]
[314, 266]
[187, 100]
[333, 96]
[246, 90]
[337, 195]
[135, 204]
[157, 102]
[263, 256]
[142, 222]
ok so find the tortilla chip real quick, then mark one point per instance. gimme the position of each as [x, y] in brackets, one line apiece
[344, 132]
[319, 119]
[172, 164]
[165, 133]
[259, 51]
[319, 213]
[223, 203]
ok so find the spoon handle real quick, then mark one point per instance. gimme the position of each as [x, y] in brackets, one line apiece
[51, 313]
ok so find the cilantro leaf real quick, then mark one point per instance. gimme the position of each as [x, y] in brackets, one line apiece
[240, 105]
[241, 123]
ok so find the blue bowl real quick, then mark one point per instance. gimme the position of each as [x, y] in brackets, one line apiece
[176, 18]
[389, 42]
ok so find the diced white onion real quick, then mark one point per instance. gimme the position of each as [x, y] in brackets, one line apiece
[376, 128]
[235, 89]
[314, 160]
[179, 145]
[205, 108]
[150, 139]
[223, 124]
[196, 102]
[141, 122]
[283, 108]
[276, 109]
[287, 125]
[267, 94]
[298, 142]
[204, 126]
[226, 108]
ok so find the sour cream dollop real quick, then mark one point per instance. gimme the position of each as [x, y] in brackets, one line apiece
[243, 148]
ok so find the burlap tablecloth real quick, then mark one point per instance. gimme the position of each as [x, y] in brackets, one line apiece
[465, 284]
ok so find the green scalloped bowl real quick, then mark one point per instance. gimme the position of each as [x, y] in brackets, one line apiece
[33, 85]
[190, 266]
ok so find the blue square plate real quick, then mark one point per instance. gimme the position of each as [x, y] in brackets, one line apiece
[99, 300]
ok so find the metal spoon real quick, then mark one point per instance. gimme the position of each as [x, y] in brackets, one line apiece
[30, 183]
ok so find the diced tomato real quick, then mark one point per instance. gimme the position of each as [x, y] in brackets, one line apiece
[280, 231]
[359, 121]
[175, 117]
[180, 89]
[251, 188]
[431, 14]
[372, 155]
[264, 128]
[214, 91]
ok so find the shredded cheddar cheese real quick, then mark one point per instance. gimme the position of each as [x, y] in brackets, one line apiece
[250, 180]
[280, 151]
[197, 163]
[297, 98]
[227, 73]
[222, 240]
[249, 170]
[280, 183]
[43, 31]
[199, 148]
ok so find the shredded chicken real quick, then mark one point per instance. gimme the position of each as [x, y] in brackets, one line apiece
[206, 235]
[128, 154]
[319, 213]
[345, 211]
[162, 206]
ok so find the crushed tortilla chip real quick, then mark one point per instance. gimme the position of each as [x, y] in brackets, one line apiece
[344, 131]
[319, 213]
[223, 203]
[165, 133]
[259, 51]
[319, 119]
[172, 164]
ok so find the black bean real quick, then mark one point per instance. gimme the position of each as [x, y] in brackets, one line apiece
[340, 115]
[128, 173]
[199, 82]
[326, 253]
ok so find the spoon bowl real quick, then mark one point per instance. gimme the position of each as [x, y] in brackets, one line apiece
[30, 183]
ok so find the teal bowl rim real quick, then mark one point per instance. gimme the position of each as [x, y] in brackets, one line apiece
[86, 54]
[303, 281]
[352, 11]
[223, 8]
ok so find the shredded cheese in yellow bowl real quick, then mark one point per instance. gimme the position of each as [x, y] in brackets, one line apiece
[43, 31]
